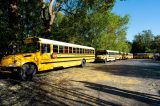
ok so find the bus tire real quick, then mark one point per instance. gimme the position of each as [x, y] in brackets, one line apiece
[27, 71]
[83, 63]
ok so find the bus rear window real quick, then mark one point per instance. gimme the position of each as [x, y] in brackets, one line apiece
[93, 51]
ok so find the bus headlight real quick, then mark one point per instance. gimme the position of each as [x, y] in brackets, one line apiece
[12, 65]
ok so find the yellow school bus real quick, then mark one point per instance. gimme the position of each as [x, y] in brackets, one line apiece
[116, 54]
[107, 55]
[39, 54]
[129, 56]
[143, 55]
[123, 55]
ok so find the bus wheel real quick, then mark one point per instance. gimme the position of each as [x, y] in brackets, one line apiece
[83, 63]
[27, 71]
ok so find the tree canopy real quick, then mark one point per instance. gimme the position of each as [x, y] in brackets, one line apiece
[86, 22]
[145, 42]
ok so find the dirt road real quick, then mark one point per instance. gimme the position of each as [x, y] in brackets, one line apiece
[121, 83]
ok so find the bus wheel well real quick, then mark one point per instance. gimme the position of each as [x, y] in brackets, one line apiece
[27, 71]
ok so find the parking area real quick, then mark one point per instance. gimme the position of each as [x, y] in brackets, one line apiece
[122, 83]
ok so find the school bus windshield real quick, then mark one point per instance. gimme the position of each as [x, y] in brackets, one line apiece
[26, 48]
[101, 52]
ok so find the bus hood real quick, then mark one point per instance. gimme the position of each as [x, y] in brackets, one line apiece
[14, 60]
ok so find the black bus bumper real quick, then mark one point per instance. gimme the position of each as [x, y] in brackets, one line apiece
[9, 68]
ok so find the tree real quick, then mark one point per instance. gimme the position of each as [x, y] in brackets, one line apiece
[156, 44]
[18, 19]
[91, 23]
[82, 21]
[113, 36]
[142, 42]
[76, 21]
[6, 33]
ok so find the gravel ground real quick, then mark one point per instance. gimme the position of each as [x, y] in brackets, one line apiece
[122, 83]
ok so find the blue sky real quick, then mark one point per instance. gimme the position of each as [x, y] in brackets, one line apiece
[144, 15]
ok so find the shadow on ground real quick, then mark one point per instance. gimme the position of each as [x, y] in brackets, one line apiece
[141, 97]
[140, 70]
[45, 92]
[8, 75]
[146, 61]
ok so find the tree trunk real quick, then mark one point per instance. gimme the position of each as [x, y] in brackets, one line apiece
[13, 17]
[48, 22]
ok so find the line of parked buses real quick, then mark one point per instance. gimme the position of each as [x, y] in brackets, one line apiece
[39, 54]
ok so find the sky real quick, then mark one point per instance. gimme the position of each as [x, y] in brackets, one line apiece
[144, 15]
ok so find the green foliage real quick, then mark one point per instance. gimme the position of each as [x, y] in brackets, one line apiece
[31, 23]
[94, 25]
[155, 45]
[85, 22]
[113, 35]
[143, 42]
[23, 21]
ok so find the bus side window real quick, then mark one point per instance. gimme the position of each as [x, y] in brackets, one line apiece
[45, 48]
[87, 51]
[90, 51]
[70, 49]
[55, 48]
[66, 49]
[80, 50]
[60, 49]
[77, 50]
[74, 50]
